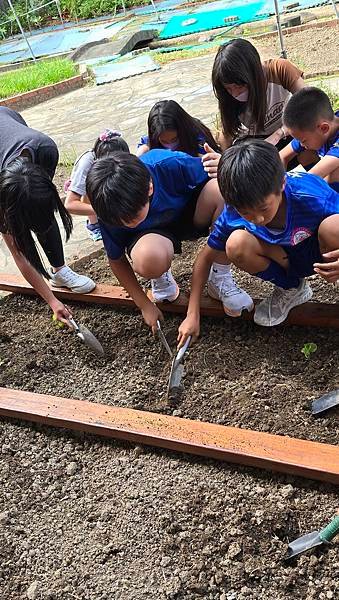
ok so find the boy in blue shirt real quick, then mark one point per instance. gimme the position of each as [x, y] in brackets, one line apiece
[274, 226]
[146, 206]
[310, 119]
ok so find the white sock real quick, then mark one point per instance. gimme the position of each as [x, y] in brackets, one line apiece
[221, 269]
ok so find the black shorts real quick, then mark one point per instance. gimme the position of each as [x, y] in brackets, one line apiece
[182, 229]
[302, 256]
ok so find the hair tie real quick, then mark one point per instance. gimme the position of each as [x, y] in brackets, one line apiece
[109, 134]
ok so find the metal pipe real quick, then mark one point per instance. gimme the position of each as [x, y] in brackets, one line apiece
[21, 29]
[281, 37]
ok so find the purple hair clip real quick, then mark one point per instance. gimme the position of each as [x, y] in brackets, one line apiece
[109, 134]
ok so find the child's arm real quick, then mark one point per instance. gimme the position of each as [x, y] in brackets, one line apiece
[142, 150]
[37, 282]
[286, 154]
[201, 269]
[326, 167]
[125, 274]
[76, 206]
[210, 161]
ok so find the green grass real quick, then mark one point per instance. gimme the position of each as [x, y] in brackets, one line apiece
[35, 76]
[164, 58]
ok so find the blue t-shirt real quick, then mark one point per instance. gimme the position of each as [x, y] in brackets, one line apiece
[309, 200]
[174, 175]
[144, 141]
[331, 148]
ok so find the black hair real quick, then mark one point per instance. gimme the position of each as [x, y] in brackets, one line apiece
[306, 107]
[249, 172]
[168, 114]
[28, 203]
[109, 141]
[118, 187]
[239, 62]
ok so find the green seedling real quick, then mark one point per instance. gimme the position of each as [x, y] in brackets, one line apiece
[308, 349]
[57, 323]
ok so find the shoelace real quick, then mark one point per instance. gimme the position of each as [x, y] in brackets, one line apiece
[229, 288]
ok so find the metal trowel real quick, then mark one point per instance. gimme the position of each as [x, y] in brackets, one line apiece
[311, 540]
[87, 337]
[175, 386]
[325, 402]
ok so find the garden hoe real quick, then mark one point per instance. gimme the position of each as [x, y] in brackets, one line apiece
[316, 538]
[87, 337]
[325, 402]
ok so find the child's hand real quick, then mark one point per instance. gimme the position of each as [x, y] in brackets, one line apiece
[329, 270]
[151, 314]
[210, 161]
[61, 312]
[190, 326]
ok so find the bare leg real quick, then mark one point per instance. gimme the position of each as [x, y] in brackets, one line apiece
[152, 255]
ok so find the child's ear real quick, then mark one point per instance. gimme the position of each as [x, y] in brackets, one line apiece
[283, 185]
[324, 127]
[151, 188]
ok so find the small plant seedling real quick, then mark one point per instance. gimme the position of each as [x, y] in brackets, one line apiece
[57, 323]
[308, 349]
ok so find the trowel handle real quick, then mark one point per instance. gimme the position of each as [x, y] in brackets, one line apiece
[74, 325]
[328, 533]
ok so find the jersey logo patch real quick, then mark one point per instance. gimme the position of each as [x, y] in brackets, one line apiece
[299, 235]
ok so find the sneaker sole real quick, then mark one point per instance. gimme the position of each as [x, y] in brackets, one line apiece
[85, 289]
[307, 295]
[171, 299]
[228, 311]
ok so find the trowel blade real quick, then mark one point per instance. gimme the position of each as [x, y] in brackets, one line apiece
[325, 402]
[305, 542]
[90, 340]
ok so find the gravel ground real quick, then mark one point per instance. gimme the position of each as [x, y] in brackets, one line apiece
[89, 519]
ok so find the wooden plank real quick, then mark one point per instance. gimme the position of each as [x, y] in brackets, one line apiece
[310, 314]
[241, 446]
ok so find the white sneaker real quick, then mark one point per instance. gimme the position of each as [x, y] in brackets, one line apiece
[234, 299]
[69, 279]
[274, 309]
[165, 288]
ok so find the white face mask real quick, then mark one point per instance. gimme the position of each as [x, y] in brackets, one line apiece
[243, 97]
[172, 146]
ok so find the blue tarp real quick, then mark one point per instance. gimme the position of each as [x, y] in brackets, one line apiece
[213, 19]
[122, 70]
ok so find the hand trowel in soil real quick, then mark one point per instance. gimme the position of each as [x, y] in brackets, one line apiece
[325, 402]
[311, 540]
[175, 387]
[87, 337]
[164, 340]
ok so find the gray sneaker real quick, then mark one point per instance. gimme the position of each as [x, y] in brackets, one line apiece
[274, 309]
[234, 299]
[71, 280]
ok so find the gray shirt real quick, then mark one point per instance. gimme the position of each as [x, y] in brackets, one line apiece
[81, 168]
[16, 136]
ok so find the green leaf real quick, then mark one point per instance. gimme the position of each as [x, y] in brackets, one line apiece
[308, 349]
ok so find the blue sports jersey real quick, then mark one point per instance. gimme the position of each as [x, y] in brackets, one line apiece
[174, 175]
[309, 200]
[144, 141]
[331, 148]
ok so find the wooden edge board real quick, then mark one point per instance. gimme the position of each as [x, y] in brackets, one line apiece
[241, 446]
[311, 314]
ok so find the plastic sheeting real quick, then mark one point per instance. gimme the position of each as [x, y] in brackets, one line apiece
[122, 70]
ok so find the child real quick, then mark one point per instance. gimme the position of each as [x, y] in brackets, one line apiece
[28, 203]
[76, 202]
[146, 206]
[172, 128]
[274, 226]
[311, 121]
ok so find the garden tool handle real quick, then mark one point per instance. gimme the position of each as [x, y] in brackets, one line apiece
[328, 533]
[74, 325]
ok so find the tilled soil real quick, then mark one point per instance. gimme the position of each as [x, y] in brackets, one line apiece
[89, 519]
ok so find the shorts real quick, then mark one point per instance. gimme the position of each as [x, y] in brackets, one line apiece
[182, 229]
[302, 256]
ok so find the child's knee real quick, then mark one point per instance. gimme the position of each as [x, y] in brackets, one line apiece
[150, 265]
[328, 233]
[239, 246]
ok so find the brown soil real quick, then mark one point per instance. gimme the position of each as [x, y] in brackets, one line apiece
[98, 520]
